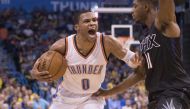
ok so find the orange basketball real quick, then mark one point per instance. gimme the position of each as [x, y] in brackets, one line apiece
[54, 63]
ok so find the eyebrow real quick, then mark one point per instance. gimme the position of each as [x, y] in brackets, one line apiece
[90, 18]
[134, 3]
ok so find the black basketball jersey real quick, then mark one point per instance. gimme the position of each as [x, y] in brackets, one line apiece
[164, 69]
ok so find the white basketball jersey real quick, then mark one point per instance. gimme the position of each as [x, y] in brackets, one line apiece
[84, 74]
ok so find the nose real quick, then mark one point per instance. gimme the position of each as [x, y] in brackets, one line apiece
[133, 14]
[133, 9]
[92, 22]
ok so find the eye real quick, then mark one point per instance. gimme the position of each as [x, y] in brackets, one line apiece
[134, 6]
[86, 21]
[94, 19]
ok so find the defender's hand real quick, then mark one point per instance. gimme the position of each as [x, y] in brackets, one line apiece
[136, 60]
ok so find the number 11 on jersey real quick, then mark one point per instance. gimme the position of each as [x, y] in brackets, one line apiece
[148, 60]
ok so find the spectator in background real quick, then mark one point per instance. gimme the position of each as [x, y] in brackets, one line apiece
[1, 82]
[39, 103]
[114, 102]
[3, 104]
[10, 48]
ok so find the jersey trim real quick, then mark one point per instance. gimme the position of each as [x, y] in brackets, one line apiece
[103, 48]
[66, 46]
[88, 54]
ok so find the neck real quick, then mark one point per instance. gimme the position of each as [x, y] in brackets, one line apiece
[150, 18]
[82, 41]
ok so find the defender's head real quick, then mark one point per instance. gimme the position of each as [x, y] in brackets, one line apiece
[86, 24]
[143, 8]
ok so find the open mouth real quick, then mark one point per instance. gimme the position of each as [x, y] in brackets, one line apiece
[92, 32]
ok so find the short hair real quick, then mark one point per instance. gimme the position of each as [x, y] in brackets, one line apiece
[77, 15]
[154, 3]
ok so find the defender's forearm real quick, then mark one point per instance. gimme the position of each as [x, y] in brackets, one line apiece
[127, 83]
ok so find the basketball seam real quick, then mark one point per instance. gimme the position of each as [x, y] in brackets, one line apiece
[59, 67]
[66, 46]
[51, 61]
[38, 65]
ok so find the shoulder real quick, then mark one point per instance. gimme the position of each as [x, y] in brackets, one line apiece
[107, 44]
[169, 29]
[113, 46]
[60, 46]
[108, 39]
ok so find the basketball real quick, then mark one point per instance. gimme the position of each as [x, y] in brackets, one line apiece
[54, 63]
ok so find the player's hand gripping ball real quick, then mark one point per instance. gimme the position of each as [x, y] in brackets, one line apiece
[54, 63]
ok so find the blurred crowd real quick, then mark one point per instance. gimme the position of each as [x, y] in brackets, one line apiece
[15, 96]
[25, 36]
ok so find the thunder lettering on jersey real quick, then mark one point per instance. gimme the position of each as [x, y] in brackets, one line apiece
[85, 69]
[84, 74]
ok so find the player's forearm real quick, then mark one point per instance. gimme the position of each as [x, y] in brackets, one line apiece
[167, 10]
[127, 83]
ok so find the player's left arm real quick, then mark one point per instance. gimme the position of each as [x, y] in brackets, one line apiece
[58, 46]
[166, 19]
[112, 46]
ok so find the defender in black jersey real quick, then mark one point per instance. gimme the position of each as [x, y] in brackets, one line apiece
[166, 80]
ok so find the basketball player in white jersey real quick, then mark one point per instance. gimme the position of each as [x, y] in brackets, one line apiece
[86, 53]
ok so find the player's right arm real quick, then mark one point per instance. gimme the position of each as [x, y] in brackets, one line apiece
[133, 78]
[112, 46]
[58, 46]
[166, 19]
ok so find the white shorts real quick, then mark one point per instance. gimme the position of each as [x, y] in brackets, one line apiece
[69, 100]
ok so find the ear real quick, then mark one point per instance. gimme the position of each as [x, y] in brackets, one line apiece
[147, 7]
[76, 27]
